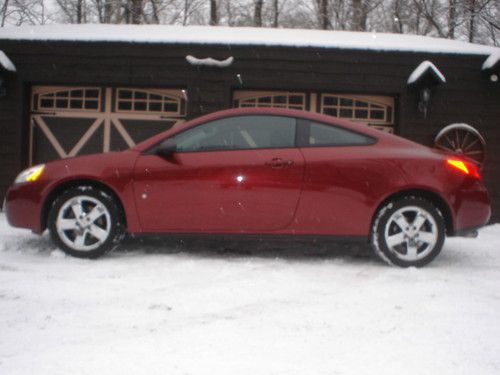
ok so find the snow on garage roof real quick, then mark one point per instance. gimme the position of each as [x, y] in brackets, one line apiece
[491, 61]
[221, 35]
[6, 63]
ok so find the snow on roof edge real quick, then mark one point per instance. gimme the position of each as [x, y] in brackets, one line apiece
[6, 63]
[420, 70]
[223, 35]
[491, 61]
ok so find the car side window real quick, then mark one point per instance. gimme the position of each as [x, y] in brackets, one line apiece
[328, 135]
[239, 133]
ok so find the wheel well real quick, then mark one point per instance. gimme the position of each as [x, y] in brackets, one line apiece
[71, 184]
[434, 198]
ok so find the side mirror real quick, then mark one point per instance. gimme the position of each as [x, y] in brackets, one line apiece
[167, 148]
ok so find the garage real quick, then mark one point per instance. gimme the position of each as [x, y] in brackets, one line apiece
[69, 121]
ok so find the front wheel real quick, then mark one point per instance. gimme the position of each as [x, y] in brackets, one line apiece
[408, 232]
[85, 222]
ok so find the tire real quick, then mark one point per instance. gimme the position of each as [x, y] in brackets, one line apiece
[408, 232]
[86, 222]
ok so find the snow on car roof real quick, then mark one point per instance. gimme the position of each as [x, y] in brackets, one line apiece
[221, 35]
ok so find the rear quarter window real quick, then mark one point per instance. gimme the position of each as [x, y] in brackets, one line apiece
[328, 135]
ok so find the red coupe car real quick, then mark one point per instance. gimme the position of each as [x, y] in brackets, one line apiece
[256, 173]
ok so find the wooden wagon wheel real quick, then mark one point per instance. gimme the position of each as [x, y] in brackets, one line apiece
[463, 140]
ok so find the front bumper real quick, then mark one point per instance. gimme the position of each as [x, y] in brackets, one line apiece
[22, 206]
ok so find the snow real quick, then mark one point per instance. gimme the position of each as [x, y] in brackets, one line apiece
[6, 63]
[179, 310]
[491, 61]
[210, 61]
[242, 36]
[422, 69]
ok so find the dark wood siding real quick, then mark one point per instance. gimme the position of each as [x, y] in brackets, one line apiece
[11, 133]
[466, 97]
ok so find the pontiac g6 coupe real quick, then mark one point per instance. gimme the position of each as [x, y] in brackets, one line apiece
[263, 173]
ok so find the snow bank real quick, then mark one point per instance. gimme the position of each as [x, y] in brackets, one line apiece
[6, 63]
[243, 36]
[422, 69]
[159, 308]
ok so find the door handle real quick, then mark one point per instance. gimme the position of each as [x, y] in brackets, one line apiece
[278, 163]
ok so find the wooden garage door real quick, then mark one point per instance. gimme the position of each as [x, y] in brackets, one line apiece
[70, 121]
[375, 110]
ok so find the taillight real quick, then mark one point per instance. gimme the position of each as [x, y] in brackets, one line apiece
[464, 167]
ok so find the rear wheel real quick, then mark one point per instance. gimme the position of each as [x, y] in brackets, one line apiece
[85, 222]
[408, 232]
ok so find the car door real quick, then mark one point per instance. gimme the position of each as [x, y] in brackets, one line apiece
[240, 174]
[342, 180]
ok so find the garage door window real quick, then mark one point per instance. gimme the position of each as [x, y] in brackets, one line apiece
[82, 98]
[376, 111]
[354, 109]
[290, 100]
[142, 101]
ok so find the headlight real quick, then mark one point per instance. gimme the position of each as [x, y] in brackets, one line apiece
[30, 175]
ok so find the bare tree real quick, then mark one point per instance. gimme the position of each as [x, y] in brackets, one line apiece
[257, 15]
[185, 13]
[323, 14]
[397, 24]
[80, 11]
[359, 15]
[19, 12]
[214, 15]
[472, 20]
[4, 10]
[276, 13]
[452, 18]
[472, 9]
[104, 10]
[73, 11]
[155, 13]
[136, 11]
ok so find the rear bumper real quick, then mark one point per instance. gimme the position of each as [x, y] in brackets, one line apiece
[472, 208]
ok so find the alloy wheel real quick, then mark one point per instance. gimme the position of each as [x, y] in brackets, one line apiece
[411, 233]
[83, 223]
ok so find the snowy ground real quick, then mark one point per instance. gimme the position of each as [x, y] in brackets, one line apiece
[174, 311]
